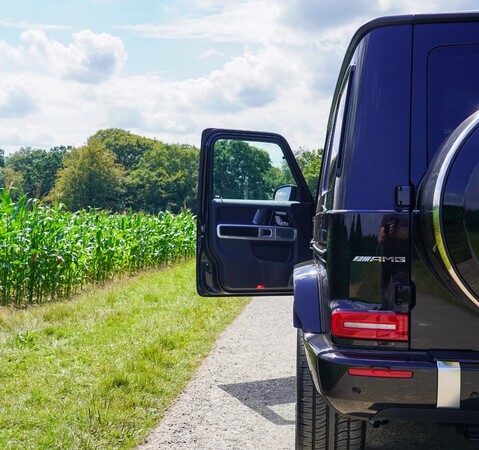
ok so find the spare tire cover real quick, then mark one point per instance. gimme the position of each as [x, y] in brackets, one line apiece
[449, 211]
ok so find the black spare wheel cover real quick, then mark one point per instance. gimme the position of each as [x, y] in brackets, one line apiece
[449, 211]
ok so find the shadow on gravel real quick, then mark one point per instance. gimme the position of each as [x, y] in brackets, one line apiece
[267, 398]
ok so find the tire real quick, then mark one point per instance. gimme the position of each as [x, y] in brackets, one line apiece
[318, 427]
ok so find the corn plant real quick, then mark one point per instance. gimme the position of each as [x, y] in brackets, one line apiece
[48, 253]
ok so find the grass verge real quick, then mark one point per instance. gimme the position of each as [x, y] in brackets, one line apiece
[98, 372]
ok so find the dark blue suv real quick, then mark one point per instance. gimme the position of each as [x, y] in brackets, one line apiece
[384, 262]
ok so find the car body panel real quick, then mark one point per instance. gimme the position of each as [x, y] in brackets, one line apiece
[368, 237]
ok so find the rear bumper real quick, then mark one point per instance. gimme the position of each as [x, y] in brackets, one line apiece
[439, 390]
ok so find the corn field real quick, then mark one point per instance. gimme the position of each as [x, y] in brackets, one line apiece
[47, 253]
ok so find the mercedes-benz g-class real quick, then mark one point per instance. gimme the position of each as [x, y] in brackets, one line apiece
[384, 262]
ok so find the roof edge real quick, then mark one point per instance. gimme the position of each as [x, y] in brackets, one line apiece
[387, 21]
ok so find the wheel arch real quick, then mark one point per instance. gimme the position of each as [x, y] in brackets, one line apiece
[307, 298]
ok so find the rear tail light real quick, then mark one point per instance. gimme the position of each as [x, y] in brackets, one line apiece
[376, 325]
[381, 373]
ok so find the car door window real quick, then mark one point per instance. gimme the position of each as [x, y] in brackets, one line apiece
[333, 145]
[245, 170]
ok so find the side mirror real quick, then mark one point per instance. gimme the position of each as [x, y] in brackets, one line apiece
[287, 192]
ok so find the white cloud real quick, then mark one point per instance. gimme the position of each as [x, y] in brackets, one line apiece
[236, 21]
[211, 53]
[28, 136]
[262, 21]
[65, 113]
[285, 77]
[31, 26]
[315, 16]
[90, 58]
[266, 91]
[432, 6]
[10, 55]
[250, 81]
[210, 5]
[15, 101]
[281, 79]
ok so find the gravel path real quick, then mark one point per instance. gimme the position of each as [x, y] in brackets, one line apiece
[243, 395]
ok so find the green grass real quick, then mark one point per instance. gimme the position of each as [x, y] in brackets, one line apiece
[97, 372]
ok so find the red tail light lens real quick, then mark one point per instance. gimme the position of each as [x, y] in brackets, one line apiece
[376, 325]
[380, 373]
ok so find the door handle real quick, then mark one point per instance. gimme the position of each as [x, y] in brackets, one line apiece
[255, 233]
[265, 233]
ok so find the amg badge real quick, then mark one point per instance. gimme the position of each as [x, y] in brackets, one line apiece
[381, 259]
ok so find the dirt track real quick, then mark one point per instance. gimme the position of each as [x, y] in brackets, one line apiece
[243, 395]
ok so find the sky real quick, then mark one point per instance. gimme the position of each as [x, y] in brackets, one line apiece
[167, 69]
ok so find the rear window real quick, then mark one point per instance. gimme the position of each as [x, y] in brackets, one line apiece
[453, 90]
[335, 139]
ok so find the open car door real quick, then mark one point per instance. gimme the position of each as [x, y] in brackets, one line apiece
[254, 214]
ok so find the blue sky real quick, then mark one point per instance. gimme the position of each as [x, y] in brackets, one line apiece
[169, 69]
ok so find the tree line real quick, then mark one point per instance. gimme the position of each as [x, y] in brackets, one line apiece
[244, 171]
[114, 170]
[118, 170]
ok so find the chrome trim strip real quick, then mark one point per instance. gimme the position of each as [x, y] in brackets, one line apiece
[448, 384]
[265, 233]
[436, 210]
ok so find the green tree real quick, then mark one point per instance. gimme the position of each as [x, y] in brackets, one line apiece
[240, 171]
[128, 148]
[33, 171]
[3, 171]
[309, 162]
[90, 178]
[274, 178]
[166, 179]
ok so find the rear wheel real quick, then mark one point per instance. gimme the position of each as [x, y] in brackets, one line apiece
[317, 425]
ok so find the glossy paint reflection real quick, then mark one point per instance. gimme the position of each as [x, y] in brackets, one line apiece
[371, 249]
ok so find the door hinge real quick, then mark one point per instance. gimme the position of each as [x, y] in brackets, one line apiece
[403, 294]
[403, 197]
